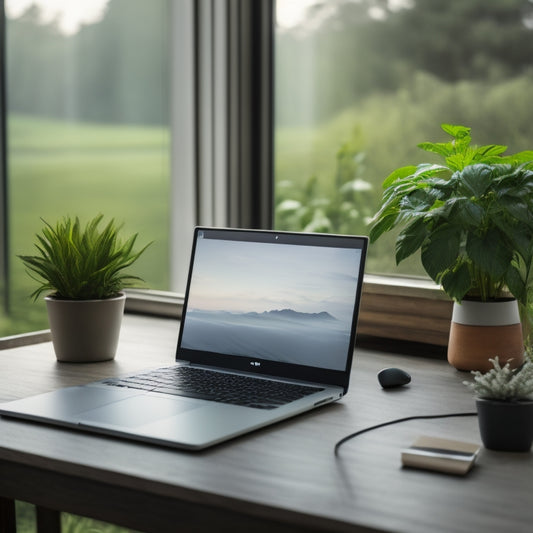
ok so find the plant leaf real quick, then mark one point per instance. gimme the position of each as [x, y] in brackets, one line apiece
[490, 253]
[475, 179]
[441, 250]
[82, 263]
[410, 239]
[457, 282]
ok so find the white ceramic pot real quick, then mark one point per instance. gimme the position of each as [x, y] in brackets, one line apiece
[85, 331]
[482, 330]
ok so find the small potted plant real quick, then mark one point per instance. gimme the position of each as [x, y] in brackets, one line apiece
[82, 271]
[504, 400]
[471, 218]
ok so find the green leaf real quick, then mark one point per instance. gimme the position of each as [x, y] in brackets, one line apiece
[519, 158]
[418, 201]
[443, 149]
[490, 253]
[441, 251]
[515, 208]
[425, 170]
[82, 263]
[461, 159]
[456, 131]
[457, 282]
[488, 153]
[399, 173]
[410, 239]
[465, 213]
[475, 179]
[516, 285]
[382, 225]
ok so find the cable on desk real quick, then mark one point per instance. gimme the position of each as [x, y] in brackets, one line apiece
[397, 421]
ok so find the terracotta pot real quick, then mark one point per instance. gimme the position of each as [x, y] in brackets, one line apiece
[505, 426]
[85, 331]
[482, 330]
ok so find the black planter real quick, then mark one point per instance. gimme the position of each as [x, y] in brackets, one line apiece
[506, 426]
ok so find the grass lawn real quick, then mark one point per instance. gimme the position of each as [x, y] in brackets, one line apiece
[59, 168]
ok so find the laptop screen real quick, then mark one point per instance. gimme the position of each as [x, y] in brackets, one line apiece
[273, 302]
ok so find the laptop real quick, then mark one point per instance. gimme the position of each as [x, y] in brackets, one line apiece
[267, 332]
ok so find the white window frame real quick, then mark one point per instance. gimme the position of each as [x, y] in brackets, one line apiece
[221, 162]
[211, 166]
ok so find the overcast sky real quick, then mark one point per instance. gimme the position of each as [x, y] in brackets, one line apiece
[241, 277]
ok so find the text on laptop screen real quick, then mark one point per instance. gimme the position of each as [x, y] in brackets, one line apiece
[283, 302]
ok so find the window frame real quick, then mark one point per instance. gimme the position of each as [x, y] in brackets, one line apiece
[222, 161]
[235, 47]
[4, 228]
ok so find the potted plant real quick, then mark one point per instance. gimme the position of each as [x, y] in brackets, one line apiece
[83, 272]
[471, 218]
[504, 400]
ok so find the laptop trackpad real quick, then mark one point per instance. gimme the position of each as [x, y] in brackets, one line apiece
[136, 411]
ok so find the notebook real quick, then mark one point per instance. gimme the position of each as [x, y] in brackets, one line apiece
[267, 332]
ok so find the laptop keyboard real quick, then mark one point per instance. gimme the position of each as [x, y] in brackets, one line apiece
[216, 386]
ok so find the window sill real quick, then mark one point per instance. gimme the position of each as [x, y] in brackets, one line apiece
[158, 303]
[393, 308]
[400, 308]
[406, 309]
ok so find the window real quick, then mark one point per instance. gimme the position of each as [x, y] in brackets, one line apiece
[159, 111]
[88, 129]
[359, 83]
[355, 90]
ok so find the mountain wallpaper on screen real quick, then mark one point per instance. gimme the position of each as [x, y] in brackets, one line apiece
[280, 302]
[314, 339]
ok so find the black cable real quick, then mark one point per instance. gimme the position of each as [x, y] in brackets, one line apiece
[396, 421]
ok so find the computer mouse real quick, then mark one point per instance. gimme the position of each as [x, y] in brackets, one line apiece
[393, 377]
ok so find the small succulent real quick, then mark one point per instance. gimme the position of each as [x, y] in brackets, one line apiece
[504, 383]
[82, 262]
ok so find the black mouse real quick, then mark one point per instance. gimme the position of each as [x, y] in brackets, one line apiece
[393, 377]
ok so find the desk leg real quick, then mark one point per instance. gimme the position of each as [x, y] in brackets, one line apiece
[48, 521]
[8, 519]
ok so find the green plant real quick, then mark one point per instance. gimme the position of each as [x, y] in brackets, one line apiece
[503, 383]
[345, 209]
[82, 263]
[471, 217]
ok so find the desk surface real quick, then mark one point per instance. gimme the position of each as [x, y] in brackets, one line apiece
[284, 478]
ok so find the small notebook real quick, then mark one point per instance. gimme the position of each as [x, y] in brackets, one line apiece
[443, 455]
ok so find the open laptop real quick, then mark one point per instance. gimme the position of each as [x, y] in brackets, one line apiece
[267, 332]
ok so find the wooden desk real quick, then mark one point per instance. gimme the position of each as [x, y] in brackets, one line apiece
[283, 478]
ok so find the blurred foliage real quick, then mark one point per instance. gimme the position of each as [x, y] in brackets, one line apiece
[390, 126]
[392, 72]
[108, 168]
[345, 207]
[26, 522]
[114, 71]
[347, 51]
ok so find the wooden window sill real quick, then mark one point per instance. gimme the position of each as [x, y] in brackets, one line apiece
[406, 309]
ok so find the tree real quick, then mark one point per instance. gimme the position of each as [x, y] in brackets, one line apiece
[115, 70]
[360, 48]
